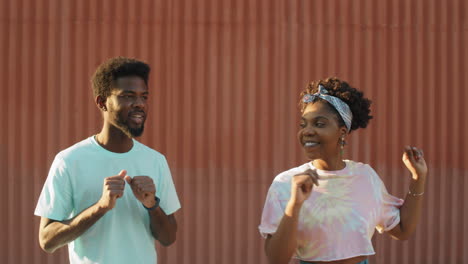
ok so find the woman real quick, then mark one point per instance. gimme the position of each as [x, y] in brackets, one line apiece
[326, 210]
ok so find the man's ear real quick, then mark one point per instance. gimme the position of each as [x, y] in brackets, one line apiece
[101, 103]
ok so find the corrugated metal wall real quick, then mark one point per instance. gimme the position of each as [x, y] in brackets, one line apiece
[226, 78]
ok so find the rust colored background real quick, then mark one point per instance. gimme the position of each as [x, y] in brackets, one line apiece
[225, 84]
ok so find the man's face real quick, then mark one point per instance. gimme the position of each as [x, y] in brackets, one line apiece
[127, 105]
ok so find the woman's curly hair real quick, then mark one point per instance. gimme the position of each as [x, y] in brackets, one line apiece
[109, 71]
[359, 105]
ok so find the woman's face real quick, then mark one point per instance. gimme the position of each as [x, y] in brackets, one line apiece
[319, 133]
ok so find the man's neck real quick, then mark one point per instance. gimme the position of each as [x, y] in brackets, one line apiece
[114, 140]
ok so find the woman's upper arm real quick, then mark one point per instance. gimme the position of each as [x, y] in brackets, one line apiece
[396, 233]
[267, 241]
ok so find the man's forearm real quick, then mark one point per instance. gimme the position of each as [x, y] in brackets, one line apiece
[55, 234]
[163, 227]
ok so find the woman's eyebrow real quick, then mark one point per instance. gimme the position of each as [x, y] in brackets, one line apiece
[315, 118]
[321, 117]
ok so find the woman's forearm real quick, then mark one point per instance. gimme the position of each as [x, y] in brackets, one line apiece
[410, 212]
[280, 246]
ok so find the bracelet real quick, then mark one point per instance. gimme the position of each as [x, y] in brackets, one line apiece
[156, 205]
[415, 194]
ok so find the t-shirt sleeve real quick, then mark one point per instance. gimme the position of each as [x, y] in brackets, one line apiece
[165, 190]
[272, 213]
[55, 201]
[390, 210]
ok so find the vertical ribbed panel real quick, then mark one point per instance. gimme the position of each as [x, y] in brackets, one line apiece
[225, 84]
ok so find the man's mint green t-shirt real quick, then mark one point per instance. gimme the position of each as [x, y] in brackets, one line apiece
[75, 182]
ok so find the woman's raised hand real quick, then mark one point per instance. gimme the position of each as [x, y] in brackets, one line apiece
[414, 161]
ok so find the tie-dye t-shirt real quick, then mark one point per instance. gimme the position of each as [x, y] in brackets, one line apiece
[338, 220]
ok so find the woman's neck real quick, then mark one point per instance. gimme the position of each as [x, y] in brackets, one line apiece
[329, 164]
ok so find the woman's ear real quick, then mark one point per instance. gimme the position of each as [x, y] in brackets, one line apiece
[343, 131]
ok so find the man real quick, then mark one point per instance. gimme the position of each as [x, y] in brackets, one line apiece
[109, 197]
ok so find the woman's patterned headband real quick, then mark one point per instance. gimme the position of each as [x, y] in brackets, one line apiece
[342, 108]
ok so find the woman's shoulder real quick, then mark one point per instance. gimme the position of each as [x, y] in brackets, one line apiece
[359, 166]
[281, 184]
[363, 169]
[286, 176]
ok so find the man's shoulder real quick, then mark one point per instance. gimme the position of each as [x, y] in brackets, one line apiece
[148, 150]
[84, 147]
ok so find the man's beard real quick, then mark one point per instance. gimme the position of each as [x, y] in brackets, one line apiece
[130, 132]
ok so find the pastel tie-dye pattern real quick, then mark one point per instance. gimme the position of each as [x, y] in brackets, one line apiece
[338, 220]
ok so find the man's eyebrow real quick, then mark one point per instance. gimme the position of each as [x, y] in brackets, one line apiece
[124, 91]
[132, 92]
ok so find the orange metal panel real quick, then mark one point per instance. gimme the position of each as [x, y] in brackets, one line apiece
[225, 81]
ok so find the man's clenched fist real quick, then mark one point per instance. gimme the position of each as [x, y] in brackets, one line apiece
[143, 188]
[113, 188]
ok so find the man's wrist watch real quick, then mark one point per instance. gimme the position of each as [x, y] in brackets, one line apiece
[156, 205]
